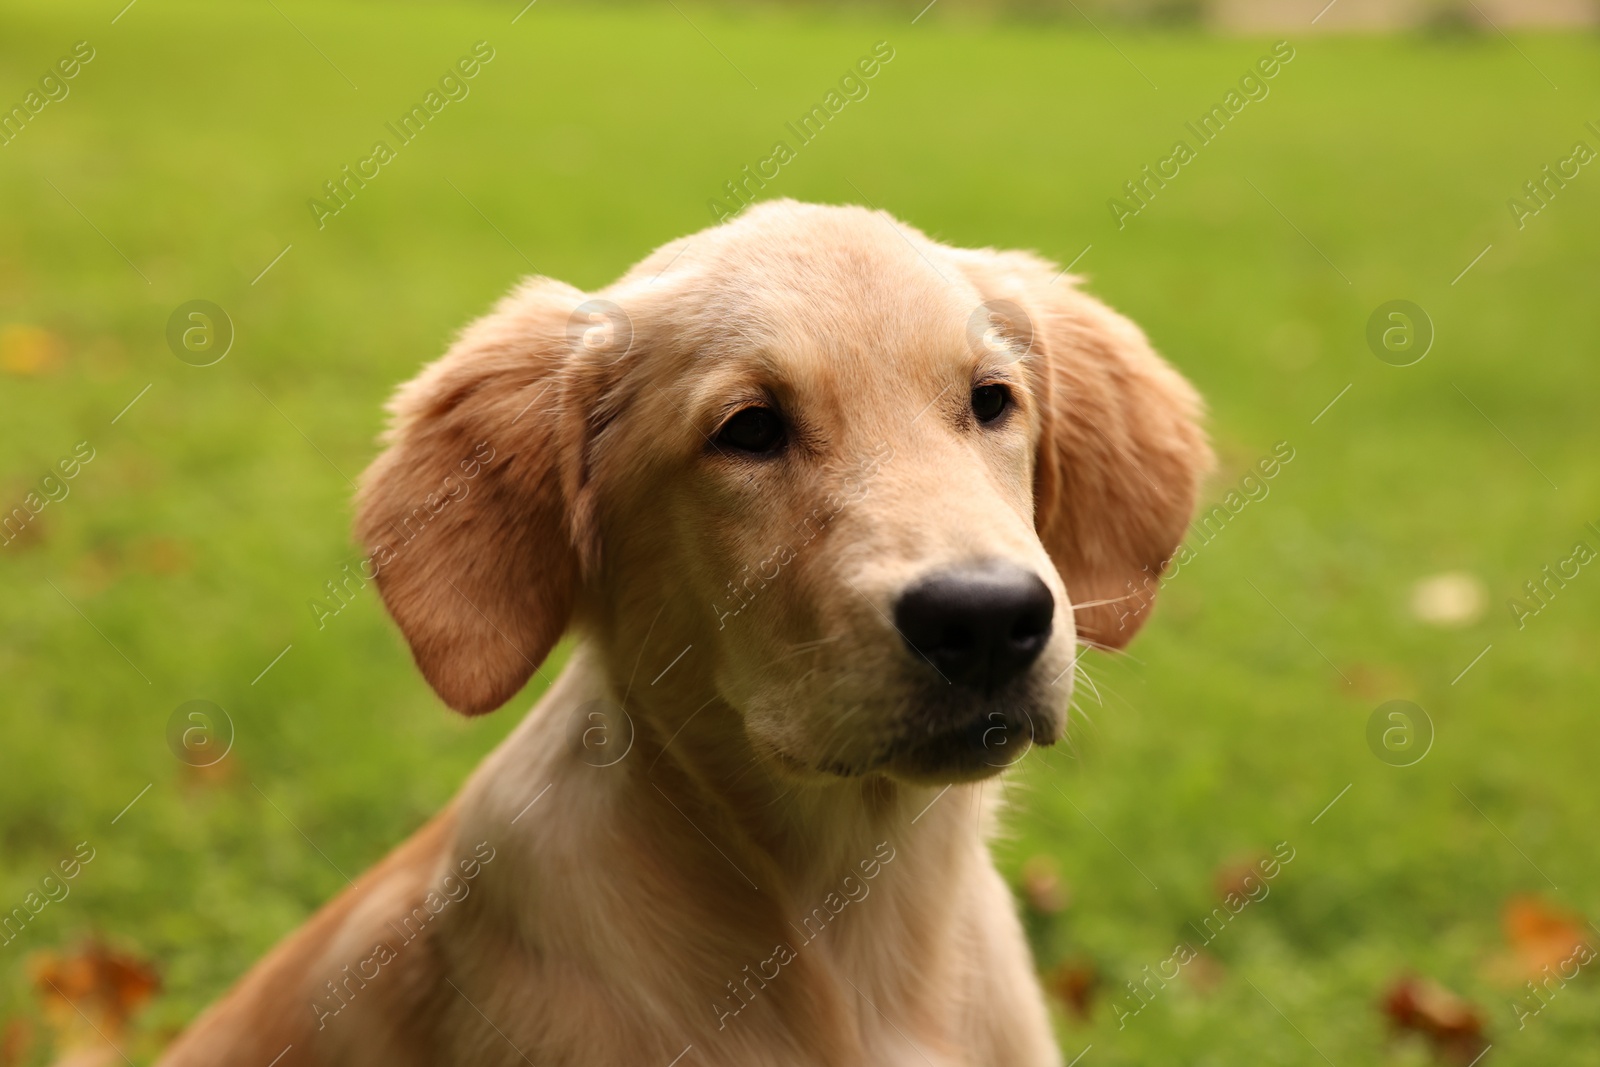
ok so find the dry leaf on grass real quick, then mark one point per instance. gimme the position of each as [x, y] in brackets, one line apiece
[1542, 936]
[90, 996]
[1451, 1024]
[28, 351]
[1241, 876]
[1042, 889]
[16, 1040]
[218, 775]
[163, 555]
[1204, 973]
[1073, 983]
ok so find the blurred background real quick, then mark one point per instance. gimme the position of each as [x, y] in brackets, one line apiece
[1374, 677]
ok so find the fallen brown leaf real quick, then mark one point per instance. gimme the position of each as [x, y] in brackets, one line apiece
[1204, 973]
[1043, 891]
[164, 555]
[224, 772]
[1073, 983]
[1451, 1024]
[16, 1040]
[1374, 681]
[1541, 935]
[96, 985]
[1239, 876]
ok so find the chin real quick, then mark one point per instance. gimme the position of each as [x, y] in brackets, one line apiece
[978, 745]
[942, 739]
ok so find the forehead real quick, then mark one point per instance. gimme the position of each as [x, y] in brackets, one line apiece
[808, 297]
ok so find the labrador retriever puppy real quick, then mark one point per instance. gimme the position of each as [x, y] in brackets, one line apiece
[829, 507]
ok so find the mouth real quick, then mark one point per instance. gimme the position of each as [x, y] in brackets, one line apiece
[977, 747]
[922, 735]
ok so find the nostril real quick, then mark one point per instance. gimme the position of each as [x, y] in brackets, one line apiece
[1030, 626]
[955, 639]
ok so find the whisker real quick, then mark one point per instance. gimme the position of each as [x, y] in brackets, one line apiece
[833, 743]
[1081, 673]
[803, 648]
[837, 682]
[818, 641]
[1098, 647]
[756, 762]
[1099, 603]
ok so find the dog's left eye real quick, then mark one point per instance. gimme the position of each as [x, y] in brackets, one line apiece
[989, 402]
[756, 429]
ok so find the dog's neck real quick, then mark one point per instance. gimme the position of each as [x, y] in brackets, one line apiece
[725, 861]
[690, 756]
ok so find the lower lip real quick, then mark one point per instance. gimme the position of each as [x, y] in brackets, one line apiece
[980, 747]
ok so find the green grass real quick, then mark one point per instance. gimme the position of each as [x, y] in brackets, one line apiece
[193, 541]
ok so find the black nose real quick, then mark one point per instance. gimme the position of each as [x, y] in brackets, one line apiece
[979, 626]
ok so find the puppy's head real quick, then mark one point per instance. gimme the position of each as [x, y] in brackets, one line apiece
[879, 488]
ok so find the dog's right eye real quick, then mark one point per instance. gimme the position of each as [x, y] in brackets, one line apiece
[756, 430]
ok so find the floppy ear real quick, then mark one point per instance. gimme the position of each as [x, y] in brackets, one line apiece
[1121, 451]
[464, 512]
